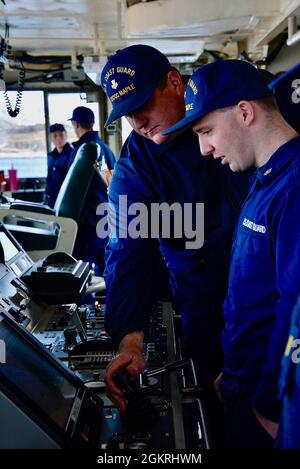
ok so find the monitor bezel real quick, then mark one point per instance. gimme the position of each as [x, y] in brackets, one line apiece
[13, 241]
[62, 436]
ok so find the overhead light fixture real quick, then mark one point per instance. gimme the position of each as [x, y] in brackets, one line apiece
[181, 59]
[293, 33]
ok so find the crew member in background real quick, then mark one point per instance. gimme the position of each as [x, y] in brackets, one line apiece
[237, 121]
[143, 86]
[89, 247]
[58, 163]
[285, 87]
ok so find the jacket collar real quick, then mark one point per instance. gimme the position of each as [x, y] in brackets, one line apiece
[278, 161]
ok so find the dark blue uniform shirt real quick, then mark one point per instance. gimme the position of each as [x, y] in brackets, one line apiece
[264, 282]
[58, 165]
[289, 388]
[173, 172]
[89, 247]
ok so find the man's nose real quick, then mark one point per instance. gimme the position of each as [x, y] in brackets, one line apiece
[139, 119]
[206, 148]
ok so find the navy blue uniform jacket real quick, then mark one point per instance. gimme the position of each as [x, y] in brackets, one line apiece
[289, 387]
[173, 172]
[89, 247]
[58, 165]
[264, 282]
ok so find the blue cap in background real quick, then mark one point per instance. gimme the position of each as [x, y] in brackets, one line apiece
[83, 115]
[130, 77]
[286, 78]
[286, 89]
[218, 85]
[56, 128]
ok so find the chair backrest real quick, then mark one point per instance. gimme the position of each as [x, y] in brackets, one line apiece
[72, 194]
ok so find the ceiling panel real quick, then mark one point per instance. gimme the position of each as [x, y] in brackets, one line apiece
[175, 26]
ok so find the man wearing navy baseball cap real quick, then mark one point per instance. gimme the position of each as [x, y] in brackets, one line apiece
[83, 115]
[89, 247]
[285, 88]
[130, 78]
[220, 85]
[237, 121]
[143, 86]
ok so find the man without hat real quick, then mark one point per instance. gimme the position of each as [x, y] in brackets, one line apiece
[152, 168]
[58, 162]
[89, 247]
[237, 121]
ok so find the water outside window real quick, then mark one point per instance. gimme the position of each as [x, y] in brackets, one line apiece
[23, 139]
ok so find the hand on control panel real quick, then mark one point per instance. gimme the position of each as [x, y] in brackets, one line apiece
[129, 359]
[140, 414]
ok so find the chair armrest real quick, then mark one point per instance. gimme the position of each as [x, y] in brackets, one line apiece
[32, 207]
[66, 238]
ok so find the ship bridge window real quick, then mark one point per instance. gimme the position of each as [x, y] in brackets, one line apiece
[61, 106]
[23, 143]
[23, 138]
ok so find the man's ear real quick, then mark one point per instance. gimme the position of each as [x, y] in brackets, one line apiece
[246, 112]
[175, 80]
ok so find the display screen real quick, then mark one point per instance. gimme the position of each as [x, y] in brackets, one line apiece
[9, 248]
[36, 378]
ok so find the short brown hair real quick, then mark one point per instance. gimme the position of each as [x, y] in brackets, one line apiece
[268, 103]
[163, 81]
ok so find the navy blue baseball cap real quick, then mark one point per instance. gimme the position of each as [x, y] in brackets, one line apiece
[56, 128]
[83, 115]
[286, 78]
[130, 77]
[218, 85]
[286, 89]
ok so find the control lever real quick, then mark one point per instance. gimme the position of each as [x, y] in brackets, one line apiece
[140, 414]
[168, 367]
[70, 334]
[87, 344]
[74, 316]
